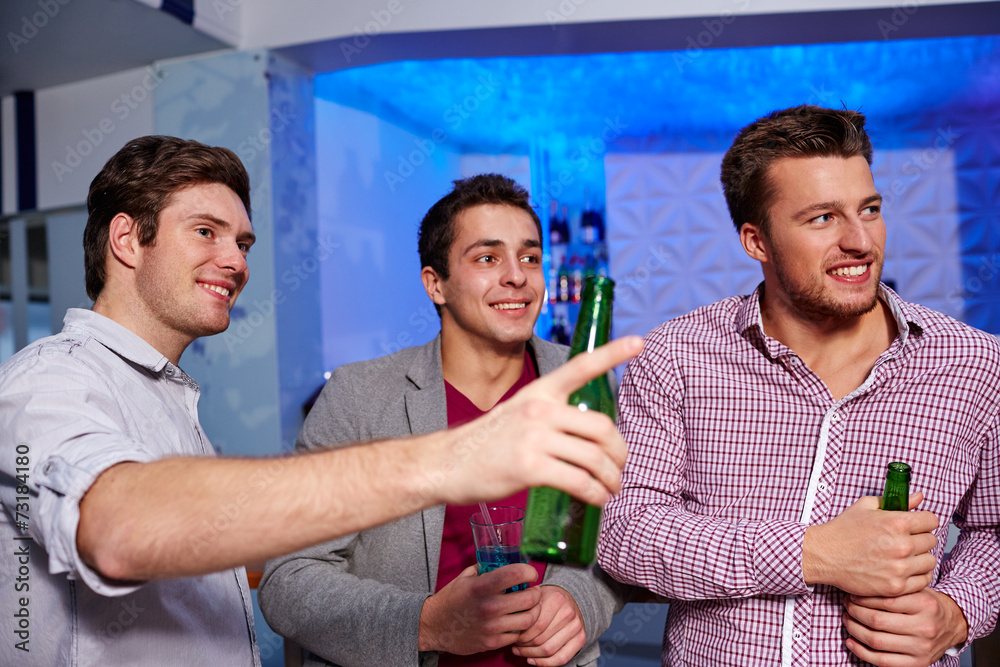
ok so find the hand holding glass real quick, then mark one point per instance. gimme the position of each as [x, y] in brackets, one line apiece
[498, 539]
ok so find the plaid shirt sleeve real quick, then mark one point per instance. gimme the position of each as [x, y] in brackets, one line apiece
[970, 572]
[650, 539]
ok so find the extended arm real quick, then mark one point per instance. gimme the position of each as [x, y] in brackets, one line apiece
[136, 518]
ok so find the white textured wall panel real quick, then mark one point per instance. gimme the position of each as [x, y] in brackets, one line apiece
[673, 247]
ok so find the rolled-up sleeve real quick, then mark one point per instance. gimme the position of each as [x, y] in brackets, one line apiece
[63, 418]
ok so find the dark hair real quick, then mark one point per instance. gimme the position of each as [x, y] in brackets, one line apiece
[437, 229]
[802, 131]
[139, 180]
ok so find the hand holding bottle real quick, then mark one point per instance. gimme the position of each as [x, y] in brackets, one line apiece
[867, 551]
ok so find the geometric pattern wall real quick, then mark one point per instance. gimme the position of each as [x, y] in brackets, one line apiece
[975, 131]
[673, 247]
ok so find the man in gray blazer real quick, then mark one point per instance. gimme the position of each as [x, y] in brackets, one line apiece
[373, 598]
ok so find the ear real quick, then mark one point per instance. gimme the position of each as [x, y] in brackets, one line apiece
[124, 239]
[754, 242]
[434, 285]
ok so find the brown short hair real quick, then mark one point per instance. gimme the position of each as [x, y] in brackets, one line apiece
[437, 229]
[802, 131]
[139, 180]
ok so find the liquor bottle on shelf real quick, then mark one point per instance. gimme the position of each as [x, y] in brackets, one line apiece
[557, 527]
[601, 259]
[897, 487]
[576, 278]
[558, 229]
[560, 330]
[591, 223]
[563, 284]
[552, 283]
[588, 228]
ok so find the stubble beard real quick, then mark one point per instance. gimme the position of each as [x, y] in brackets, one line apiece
[815, 304]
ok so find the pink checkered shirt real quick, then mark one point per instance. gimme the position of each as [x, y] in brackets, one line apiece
[736, 446]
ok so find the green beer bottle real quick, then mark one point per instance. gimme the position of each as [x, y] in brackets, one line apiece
[557, 527]
[897, 487]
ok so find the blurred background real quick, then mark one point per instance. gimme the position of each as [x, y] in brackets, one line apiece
[353, 118]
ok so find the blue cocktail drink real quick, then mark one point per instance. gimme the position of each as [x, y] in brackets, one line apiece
[490, 558]
[496, 532]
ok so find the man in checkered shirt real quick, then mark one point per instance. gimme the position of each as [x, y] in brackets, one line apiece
[759, 429]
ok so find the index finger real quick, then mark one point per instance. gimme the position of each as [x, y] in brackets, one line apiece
[583, 368]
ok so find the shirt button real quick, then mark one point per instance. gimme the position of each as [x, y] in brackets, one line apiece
[48, 468]
[797, 636]
[835, 417]
[822, 486]
[170, 371]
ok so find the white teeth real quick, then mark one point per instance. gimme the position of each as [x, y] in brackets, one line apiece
[508, 306]
[216, 288]
[850, 271]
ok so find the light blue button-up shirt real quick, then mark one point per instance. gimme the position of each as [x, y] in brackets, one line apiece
[71, 406]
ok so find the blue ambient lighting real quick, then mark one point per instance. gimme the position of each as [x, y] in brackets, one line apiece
[503, 104]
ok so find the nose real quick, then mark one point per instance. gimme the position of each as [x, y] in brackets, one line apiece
[232, 258]
[514, 274]
[856, 236]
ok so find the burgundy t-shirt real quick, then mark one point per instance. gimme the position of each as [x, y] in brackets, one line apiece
[457, 549]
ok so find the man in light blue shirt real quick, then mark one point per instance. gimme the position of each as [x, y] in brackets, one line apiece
[127, 534]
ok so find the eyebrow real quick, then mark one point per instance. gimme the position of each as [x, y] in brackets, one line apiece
[835, 204]
[248, 236]
[496, 243]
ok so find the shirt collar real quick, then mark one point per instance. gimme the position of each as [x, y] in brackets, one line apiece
[751, 326]
[117, 338]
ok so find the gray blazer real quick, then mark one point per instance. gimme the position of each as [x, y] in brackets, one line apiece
[356, 601]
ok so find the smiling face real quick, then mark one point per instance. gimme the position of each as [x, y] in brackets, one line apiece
[188, 279]
[494, 292]
[823, 248]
